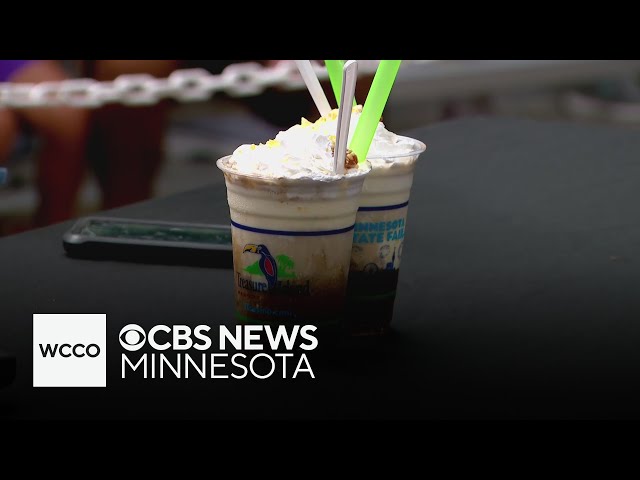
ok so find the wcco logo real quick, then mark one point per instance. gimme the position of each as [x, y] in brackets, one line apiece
[78, 350]
[69, 350]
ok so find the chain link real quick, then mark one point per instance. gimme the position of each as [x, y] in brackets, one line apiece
[187, 85]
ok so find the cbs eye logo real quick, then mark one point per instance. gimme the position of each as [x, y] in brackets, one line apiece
[132, 337]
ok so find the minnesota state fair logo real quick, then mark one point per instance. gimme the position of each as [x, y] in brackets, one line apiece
[276, 274]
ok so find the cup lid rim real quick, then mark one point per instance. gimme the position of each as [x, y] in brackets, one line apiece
[419, 148]
[303, 180]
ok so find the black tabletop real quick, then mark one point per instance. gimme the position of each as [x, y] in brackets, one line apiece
[518, 294]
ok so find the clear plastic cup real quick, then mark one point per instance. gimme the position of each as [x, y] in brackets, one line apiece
[378, 240]
[292, 243]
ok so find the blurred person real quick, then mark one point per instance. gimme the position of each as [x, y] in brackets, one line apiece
[63, 131]
[127, 141]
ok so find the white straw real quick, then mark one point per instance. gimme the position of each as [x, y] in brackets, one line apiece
[349, 76]
[314, 87]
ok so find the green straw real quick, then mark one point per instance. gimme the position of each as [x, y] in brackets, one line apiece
[373, 107]
[334, 67]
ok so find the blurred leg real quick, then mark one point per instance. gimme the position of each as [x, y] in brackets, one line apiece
[61, 164]
[133, 136]
[9, 127]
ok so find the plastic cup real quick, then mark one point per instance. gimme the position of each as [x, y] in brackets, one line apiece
[292, 243]
[378, 240]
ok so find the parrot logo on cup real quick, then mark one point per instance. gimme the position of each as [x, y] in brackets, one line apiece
[278, 270]
[267, 263]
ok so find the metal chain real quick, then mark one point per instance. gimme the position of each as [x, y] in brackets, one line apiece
[188, 85]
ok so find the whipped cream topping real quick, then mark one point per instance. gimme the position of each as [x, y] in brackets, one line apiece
[306, 151]
[295, 153]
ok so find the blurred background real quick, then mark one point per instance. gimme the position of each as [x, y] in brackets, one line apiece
[65, 162]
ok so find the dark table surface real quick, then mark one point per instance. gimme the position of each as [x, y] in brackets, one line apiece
[519, 294]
